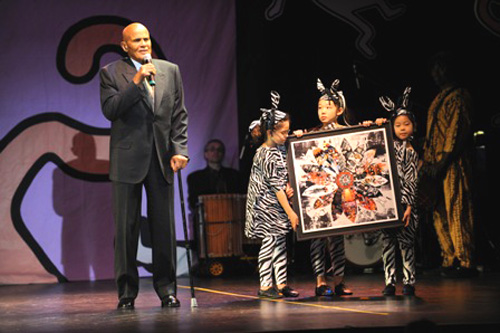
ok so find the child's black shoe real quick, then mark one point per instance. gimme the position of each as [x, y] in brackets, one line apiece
[389, 290]
[324, 290]
[269, 293]
[288, 292]
[341, 290]
[408, 290]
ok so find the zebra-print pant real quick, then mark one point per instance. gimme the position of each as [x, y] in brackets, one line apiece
[336, 251]
[273, 260]
[405, 238]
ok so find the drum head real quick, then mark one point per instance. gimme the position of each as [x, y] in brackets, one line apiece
[364, 249]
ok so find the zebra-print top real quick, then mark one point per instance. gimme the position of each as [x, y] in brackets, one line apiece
[407, 162]
[264, 214]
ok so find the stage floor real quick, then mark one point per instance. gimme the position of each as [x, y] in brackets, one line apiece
[229, 304]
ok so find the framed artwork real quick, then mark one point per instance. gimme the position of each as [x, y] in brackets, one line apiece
[345, 181]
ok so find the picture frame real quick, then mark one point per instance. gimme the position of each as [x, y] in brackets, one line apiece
[345, 181]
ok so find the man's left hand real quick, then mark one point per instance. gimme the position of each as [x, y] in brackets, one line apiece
[178, 162]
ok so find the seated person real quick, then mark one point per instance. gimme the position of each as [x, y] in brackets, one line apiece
[215, 178]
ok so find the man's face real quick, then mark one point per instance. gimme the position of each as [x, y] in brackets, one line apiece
[214, 152]
[438, 73]
[136, 42]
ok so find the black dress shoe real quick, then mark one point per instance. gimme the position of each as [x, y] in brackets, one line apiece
[170, 301]
[341, 290]
[125, 304]
[324, 290]
[288, 292]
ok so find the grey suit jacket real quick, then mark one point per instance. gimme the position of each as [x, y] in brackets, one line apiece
[135, 125]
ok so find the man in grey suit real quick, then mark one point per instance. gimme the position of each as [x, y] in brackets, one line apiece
[148, 144]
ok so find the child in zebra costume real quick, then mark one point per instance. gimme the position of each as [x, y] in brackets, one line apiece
[404, 125]
[331, 106]
[269, 215]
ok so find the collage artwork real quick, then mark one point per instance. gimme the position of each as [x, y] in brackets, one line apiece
[344, 180]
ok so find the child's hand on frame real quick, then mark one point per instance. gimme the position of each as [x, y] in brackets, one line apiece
[299, 133]
[378, 121]
[289, 191]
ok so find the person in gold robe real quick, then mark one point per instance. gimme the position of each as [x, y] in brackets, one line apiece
[447, 161]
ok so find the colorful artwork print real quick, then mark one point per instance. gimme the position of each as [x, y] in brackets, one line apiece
[344, 180]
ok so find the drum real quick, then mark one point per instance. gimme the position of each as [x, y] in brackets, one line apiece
[221, 225]
[364, 249]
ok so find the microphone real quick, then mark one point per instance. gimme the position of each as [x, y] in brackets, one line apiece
[356, 77]
[151, 78]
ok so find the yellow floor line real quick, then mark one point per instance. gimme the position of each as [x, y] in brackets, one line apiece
[284, 301]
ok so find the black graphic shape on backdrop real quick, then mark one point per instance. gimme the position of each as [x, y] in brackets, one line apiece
[351, 13]
[28, 179]
[96, 32]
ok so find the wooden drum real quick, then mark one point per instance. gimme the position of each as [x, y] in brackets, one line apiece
[221, 224]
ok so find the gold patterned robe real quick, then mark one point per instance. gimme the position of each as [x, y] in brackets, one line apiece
[448, 149]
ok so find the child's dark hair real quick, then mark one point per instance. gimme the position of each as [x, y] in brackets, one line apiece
[348, 117]
[269, 123]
